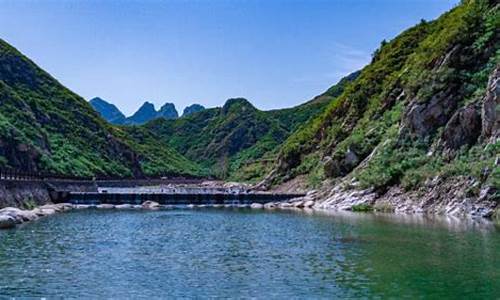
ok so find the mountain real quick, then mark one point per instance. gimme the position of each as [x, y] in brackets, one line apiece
[422, 116]
[168, 111]
[147, 112]
[108, 111]
[192, 109]
[232, 140]
[144, 114]
[46, 127]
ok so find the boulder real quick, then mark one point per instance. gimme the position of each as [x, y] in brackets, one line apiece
[150, 205]
[65, 206]
[124, 206]
[55, 207]
[285, 205]
[7, 221]
[298, 204]
[82, 206]
[256, 206]
[269, 205]
[43, 212]
[309, 204]
[105, 206]
[20, 215]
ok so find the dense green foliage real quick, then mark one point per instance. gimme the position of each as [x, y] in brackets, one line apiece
[46, 127]
[238, 141]
[385, 124]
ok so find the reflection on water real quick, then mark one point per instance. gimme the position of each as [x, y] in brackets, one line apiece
[244, 253]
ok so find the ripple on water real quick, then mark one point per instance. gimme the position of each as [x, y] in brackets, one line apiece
[229, 253]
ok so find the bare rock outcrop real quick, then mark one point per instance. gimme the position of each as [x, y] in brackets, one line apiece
[489, 111]
[463, 128]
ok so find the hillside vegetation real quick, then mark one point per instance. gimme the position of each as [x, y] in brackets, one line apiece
[420, 109]
[46, 127]
[238, 141]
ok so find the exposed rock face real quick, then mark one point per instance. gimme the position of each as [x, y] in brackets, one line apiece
[423, 119]
[193, 108]
[463, 128]
[451, 197]
[489, 112]
[23, 194]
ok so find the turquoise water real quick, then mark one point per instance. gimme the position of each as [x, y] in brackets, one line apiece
[249, 254]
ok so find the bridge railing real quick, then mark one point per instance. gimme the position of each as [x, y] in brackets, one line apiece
[14, 174]
[19, 175]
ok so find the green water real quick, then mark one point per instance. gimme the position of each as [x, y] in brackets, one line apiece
[221, 253]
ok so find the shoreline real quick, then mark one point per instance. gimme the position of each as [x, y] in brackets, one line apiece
[10, 217]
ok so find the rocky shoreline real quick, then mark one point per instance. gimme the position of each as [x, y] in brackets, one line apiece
[452, 198]
[10, 217]
[457, 197]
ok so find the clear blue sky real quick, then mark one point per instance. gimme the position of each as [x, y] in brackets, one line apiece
[275, 53]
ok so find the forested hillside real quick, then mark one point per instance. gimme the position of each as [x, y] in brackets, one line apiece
[238, 141]
[422, 109]
[46, 127]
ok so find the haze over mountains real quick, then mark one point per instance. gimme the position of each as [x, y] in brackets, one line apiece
[144, 114]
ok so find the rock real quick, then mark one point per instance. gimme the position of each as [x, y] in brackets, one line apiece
[463, 128]
[28, 215]
[311, 193]
[309, 204]
[351, 159]
[256, 206]
[190, 206]
[331, 167]
[424, 118]
[105, 206]
[298, 204]
[43, 212]
[489, 112]
[82, 206]
[269, 205]
[65, 206]
[55, 207]
[150, 205]
[7, 221]
[14, 213]
[285, 205]
[124, 206]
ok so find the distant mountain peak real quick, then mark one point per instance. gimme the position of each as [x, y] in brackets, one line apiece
[236, 104]
[191, 109]
[168, 111]
[107, 110]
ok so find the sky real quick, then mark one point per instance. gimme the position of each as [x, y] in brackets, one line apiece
[275, 53]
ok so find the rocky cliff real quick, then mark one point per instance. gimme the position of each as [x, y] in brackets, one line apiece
[417, 130]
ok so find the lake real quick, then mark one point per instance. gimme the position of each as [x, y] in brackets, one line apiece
[249, 254]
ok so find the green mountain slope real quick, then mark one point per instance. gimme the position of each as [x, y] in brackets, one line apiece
[46, 127]
[415, 112]
[237, 141]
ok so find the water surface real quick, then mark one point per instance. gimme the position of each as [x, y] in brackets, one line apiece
[244, 253]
